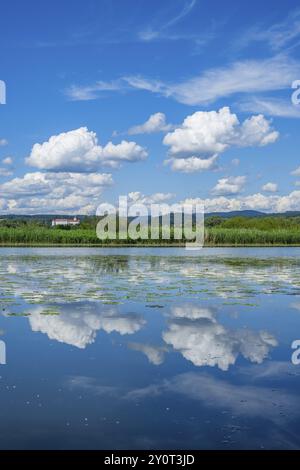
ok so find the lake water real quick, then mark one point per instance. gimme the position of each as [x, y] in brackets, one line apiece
[149, 348]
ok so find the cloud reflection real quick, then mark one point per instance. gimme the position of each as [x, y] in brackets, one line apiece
[77, 325]
[200, 338]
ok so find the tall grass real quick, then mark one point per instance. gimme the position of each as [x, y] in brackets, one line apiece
[244, 236]
[217, 235]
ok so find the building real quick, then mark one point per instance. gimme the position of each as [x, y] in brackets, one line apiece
[65, 222]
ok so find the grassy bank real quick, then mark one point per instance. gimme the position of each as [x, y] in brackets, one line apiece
[237, 231]
[213, 237]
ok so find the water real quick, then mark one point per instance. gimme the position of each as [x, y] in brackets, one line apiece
[149, 348]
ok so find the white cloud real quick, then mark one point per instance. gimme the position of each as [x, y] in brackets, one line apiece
[150, 33]
[3, 142]
[78, 150]
[155, 123]
[277, 35]
[254, 131]
[5, 172]
[7, 161]
[231, 185]
[54, 192]
[137, 197]
[271, 107]
[192, 164]
[270, 187]
[248, 76]
[205, 134]
[258, 201]
[91, 92]
[296, 172]
[209, 132]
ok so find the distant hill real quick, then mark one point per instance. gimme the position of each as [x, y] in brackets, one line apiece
[225, 215]
[246, 213]
[249, 213]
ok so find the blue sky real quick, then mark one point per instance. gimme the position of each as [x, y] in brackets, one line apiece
[168, 100]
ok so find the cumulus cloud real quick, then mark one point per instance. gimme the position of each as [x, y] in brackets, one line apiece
[268, 203]
[79, 327]
[231, 185]
[205, 134]
[257, 201]
[137, 197]
[213, 132]
[3, 142]
[270, 187]
[192, 164]
[56, 192]
[156, 123]
[201, 339]
[78, 151]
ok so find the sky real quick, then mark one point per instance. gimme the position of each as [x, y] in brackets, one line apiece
[162, 101]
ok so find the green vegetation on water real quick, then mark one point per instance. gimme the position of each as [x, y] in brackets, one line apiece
[270, 230]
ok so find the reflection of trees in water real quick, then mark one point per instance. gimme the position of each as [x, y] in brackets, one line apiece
[121, 264]
[109, 264]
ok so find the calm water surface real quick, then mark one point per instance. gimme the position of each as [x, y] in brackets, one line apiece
[149, 348]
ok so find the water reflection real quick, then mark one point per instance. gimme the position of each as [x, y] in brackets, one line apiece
[192, 330]
[116, 279]
[78, 325]
[149, 351]
[198, 335]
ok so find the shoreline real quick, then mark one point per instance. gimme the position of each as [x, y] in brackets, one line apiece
[127, 245]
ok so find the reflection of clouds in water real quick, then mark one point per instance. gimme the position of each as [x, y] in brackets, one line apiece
[295, 305]
[105, 278]
[78, 326]
[155, 354]
[193, 312]
[275, 370]
[89, 384]
[201, 339]
[217, 393]
[269, 277]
